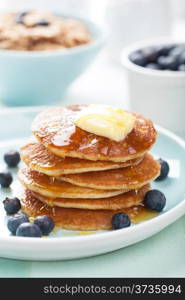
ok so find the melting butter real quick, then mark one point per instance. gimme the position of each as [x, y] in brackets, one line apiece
[106, 121]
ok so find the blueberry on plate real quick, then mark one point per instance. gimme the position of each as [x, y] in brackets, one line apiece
[155, 200]
[164, 169]
[12, 205]
[5, 179]
[12, 158]
[28, 230]
[153, 66]
[45, 223]
[120, 220]
[16, 220]
[138, 58]
[167, 62]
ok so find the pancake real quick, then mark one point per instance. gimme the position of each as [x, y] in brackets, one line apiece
[56, 130]
[125, 200]
[51, 187]
[38, 158]
[126, 178]
[79, 219]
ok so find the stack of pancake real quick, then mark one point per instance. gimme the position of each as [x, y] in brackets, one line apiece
[81, 179]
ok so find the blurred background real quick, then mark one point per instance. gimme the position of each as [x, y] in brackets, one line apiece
[127, 21]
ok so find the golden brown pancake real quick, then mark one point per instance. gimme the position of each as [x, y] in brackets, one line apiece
[126, 178]
[125, 200]
[38, 158]
[79, 219]
[56, 130]
[51, 187]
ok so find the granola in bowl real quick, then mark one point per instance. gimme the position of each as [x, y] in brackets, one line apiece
[36, 30]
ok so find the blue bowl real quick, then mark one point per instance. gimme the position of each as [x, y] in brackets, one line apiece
[42, 77]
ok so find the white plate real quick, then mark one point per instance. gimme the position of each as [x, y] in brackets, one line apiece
[14, 130]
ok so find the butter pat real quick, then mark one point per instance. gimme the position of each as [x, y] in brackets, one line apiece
[106, 121]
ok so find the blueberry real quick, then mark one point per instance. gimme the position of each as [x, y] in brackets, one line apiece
[164, 50]
[150, 54]
[12, 158]
[12, 205]
[164, 169]
[182, 58]
[181, 68]
[45, 223]
[120, 220]
[16, 220]
[28, 230]
[19, 19]
[5, 179]
[138, 58]
[155, 200]
[167, 62]
[42, 23]
[153, 66]
[177, 51]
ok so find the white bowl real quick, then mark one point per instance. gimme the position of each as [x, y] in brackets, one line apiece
[160, 95]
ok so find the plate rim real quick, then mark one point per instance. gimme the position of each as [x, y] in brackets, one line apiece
[172, 215]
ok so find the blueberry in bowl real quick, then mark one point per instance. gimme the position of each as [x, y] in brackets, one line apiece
[155, 74]
[166, 57]
[138, 58]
